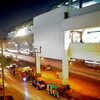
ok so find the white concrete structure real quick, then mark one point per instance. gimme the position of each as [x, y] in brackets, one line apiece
[49, 32]
[51, 29]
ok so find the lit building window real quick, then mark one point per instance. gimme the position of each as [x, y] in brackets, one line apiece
[91, 35]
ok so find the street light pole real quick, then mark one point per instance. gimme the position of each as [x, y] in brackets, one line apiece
[2, 69]
[2, 36]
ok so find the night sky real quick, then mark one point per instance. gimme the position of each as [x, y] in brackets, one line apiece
[13, 12]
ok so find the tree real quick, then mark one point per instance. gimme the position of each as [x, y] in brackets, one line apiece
[3, 59]
[6, 60]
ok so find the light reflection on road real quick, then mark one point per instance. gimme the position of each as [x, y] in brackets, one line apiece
[24, 90]
[77, 78]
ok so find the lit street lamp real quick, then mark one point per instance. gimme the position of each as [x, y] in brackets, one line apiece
[2, 35]
[2, 68]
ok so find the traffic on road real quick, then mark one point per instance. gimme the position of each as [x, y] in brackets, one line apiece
[22, 85]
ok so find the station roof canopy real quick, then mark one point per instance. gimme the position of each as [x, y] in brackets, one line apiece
[21, 25]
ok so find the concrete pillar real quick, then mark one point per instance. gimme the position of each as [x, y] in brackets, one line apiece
[38, 69]
[4, 45]
[30, 42]
[65, 69]
[18, 45]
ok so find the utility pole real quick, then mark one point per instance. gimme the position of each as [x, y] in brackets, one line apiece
[2, 36]
[2, 68]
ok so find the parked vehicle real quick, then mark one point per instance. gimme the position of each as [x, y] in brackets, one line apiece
[13, 65]
[38, 84]
[62, 90]
[52, 90]
[46, 67]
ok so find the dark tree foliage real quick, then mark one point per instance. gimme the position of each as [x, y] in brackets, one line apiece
[6, 60]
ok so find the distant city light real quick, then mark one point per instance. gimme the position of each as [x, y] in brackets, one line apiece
[21, 32]
[66, 3]
[74, 0]
[59, 6]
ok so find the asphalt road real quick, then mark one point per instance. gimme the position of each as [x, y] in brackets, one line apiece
[73, 69]
[24, 90]
[79, 82]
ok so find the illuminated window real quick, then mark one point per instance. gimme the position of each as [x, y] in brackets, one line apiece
[91, 35]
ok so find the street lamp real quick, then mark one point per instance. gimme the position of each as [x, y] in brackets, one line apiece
[37, 60]
[2, 68]
[2, 36]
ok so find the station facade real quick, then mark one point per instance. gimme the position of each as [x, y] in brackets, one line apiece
[65, 34]
[82, 26]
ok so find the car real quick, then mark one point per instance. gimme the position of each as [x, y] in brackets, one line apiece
[13, 65]
[24, 51]
[38, 84]
[27, 77]
[63, 90]
[46, 67]
[52, 90]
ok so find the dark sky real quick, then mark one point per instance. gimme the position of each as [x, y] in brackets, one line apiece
[13, 12]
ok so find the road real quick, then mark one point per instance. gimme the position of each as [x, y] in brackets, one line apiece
[79, 82]
[85, 85]
[73, 69]
[24, 90]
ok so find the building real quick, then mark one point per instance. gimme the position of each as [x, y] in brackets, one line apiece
[65, 35]
[69, 32]
[20, 38]
[51, 28]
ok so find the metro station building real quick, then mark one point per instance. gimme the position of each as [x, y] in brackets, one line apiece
[51, 31]
[66, 33]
